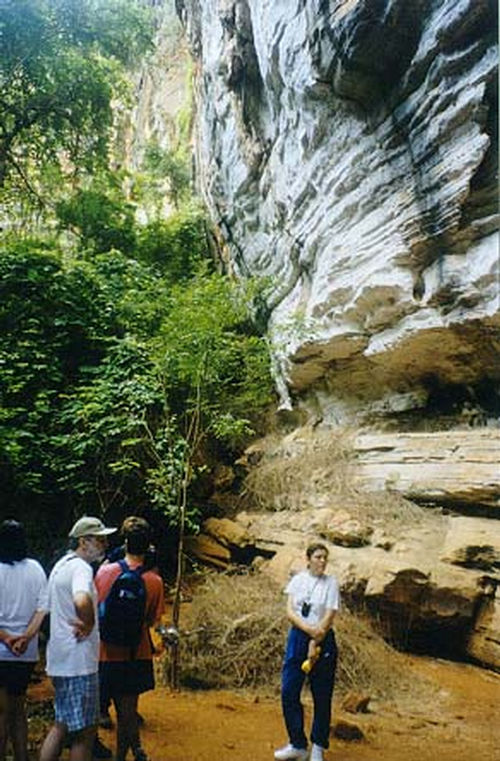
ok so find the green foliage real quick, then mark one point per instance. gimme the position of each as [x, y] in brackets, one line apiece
[165, 479]
[138, 292]
[216, 381]
[100, 221]
[103, 220]
[113, 379]
[53, 322]
[172, 165]
[61, 64]
[176, 245]
[77, 393]
[103, 440]
[210, 361]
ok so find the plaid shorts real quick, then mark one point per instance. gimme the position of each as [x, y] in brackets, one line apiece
[77, 701]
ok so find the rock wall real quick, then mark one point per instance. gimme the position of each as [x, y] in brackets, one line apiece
[453, 469]
[347, 150]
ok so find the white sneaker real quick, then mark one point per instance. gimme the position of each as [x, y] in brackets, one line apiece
[290, 752]
[316, 753]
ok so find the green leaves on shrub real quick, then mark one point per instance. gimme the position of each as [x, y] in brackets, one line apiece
[100, 222]
[209, 359]
[105, 366]
[176, 245]
[53, 322]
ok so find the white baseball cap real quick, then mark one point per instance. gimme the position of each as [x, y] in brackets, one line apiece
[89, 526]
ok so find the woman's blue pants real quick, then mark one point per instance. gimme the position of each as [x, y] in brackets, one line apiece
[321, 680]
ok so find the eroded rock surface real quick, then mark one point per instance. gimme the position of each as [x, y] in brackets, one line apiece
[484, 640]
[451, 468]
[347, 152]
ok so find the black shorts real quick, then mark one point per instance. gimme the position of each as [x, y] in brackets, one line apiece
[15, 676]
[126, 677]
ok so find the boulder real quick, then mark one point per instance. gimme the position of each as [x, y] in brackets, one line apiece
[346, 729]
[208, 550]
[472, 543]
[349, 533]
[429, 611]
[484, 639]
[355, 702]
[339, 527]
[223, 542]
[227, 532]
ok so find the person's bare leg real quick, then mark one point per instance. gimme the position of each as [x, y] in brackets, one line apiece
[18, 726]
[4, 702]
[52, 745]
[127, 726]
[81, 747]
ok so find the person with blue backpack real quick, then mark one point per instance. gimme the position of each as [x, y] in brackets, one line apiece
[130, 600]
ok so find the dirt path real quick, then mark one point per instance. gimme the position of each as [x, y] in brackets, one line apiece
[461, 724]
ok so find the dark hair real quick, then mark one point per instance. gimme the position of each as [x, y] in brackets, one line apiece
[315, 546]
[13, 545]
[137, 535]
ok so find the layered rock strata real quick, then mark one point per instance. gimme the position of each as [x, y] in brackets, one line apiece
[458, 469]
[455, 469]
[347, 153]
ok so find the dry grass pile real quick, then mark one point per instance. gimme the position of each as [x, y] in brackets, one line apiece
[239, 630]
[294, 470]
[313, 469]
[236, 639]
[388, 510]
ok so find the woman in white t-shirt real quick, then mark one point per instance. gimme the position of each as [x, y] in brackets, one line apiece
[313, 600]
[23, 606]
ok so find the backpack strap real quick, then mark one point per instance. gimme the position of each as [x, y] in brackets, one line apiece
[124, 566]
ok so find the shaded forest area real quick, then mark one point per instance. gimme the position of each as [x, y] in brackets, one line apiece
[129, 363]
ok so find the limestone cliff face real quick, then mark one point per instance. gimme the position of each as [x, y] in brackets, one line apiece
[347, 152]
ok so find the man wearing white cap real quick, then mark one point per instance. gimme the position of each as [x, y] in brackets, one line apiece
[73, 647]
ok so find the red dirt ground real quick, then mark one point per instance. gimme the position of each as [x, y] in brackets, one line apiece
[461, 724]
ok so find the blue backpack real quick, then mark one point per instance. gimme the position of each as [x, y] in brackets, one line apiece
[122, 612]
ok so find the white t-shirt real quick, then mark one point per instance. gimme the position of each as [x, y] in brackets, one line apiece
[67, 656]
[320, 592]
[23, 591]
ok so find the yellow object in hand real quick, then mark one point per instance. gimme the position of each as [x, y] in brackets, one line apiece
[310, 662]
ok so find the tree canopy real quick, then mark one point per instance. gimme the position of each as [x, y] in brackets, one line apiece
[61, 65]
